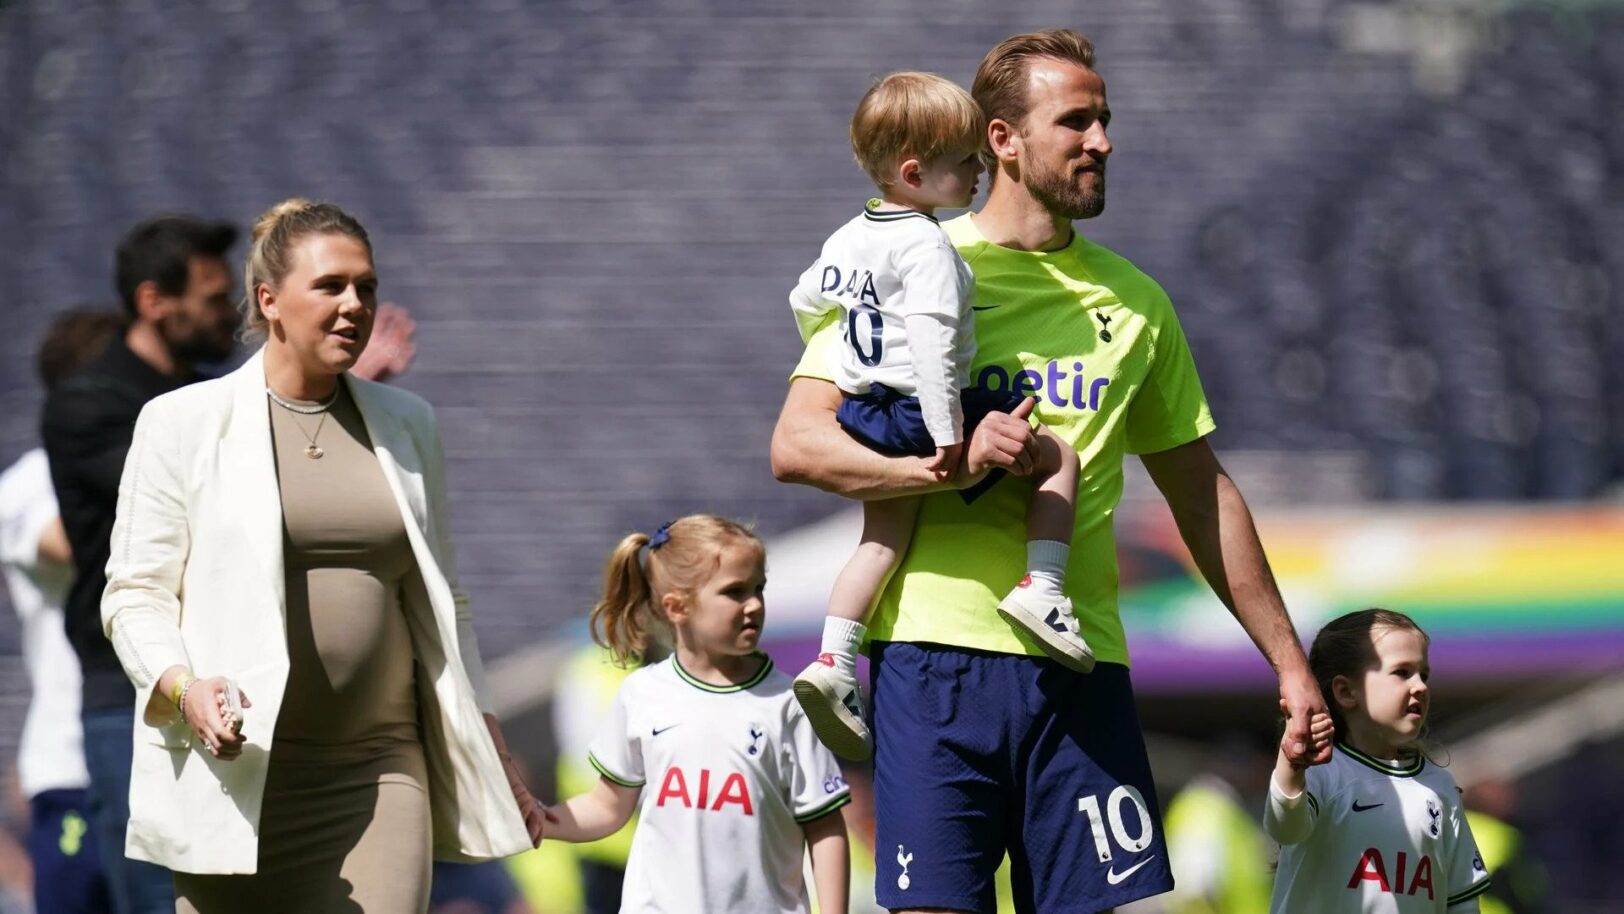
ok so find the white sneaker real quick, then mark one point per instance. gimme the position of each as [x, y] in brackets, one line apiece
[1050, 620]
[833, 703]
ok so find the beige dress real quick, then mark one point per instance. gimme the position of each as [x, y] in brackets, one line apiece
[345, 825]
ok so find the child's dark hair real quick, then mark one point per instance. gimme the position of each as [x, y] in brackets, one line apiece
[1346, 647]
[678, 558]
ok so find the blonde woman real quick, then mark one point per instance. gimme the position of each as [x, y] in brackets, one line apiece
[313, 725]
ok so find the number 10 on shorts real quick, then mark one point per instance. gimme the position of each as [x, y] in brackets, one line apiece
[1090, 806]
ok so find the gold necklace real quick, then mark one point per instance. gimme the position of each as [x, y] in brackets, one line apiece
[312, 450]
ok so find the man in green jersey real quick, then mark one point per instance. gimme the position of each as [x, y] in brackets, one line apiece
[983, 746]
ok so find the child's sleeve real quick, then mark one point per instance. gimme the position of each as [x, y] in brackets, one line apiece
[808, 303]
[932, 308]
[817, 788]
[617, 752]
[1291, 819]
[1466, 877]
[21, 528]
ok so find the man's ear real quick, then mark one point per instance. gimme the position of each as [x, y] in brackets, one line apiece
[150, 303]
[1004, 141]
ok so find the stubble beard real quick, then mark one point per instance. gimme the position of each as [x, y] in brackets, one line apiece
[192, 344]
[1063, 197]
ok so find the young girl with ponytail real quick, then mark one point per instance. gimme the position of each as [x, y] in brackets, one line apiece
[708, 746]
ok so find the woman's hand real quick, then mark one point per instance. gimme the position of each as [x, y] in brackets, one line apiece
[534, 814]
[207, 710]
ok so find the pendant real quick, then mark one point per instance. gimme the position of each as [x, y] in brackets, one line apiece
[313, 452]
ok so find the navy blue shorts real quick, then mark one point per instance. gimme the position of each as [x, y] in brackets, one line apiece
[893, 424]
[979, 753]
[67, 870]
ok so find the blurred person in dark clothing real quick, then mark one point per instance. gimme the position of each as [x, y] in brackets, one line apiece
[173, 280]
[475, 888]
[1518, 883]
[38, 566]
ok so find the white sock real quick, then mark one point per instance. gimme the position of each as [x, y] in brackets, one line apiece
[841, 638]
[1046, 562]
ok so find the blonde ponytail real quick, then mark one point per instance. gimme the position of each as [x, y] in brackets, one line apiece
[622, 617]
[270, 249]
[642, 570]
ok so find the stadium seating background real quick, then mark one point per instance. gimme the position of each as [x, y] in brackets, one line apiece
[1391, 230]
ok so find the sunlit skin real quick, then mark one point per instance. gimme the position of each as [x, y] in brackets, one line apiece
[1386, 706]
[320, 315]
[718, 626]
[1051, 165]
[948, 181]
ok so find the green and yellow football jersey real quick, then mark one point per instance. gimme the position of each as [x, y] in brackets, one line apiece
[1097, 343]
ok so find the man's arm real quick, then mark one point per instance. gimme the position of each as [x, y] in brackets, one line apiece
[809, 447]
[1217, 527]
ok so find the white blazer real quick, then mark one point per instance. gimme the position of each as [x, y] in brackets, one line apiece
[196, 579]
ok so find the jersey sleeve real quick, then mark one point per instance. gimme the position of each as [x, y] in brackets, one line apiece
[617, 751]
[932, 308]
[27, 507]
[1291, 819]
[1170, 409]
[932, 343]
[815, 361]
[1467, 877]
[806, 300]
[817, 788]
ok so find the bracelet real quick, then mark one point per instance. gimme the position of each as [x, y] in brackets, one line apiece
[181, 704]
[177, 692]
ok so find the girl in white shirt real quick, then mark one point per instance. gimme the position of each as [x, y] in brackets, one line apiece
[708, 746]
[1379, 829]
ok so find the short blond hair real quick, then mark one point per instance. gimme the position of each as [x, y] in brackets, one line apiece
[915, 114]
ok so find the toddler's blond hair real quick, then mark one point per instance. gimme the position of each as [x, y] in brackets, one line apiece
[915, 114]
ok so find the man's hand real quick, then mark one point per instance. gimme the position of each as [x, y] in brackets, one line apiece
[1301, 702]
[1003, 441]
[390, 349]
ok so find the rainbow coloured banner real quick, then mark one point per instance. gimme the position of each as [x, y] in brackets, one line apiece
[1503, 590]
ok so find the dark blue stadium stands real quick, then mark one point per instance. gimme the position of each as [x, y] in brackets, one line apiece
[595, 210]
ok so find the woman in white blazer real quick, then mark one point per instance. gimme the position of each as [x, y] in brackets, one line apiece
[312, 719]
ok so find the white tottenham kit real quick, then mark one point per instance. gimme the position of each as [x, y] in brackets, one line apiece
[1374, 837]
[51, 752]
[729, 775]
[904, 296]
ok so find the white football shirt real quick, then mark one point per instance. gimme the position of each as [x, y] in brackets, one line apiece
[728, 776]
[51, 753]
[1369, 836]
[905, 301]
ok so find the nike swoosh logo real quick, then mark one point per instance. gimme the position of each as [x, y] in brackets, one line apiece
[982, 307]
[1358, 808]
[1114, 877]
[659, 730]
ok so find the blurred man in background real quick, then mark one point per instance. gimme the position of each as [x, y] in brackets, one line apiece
[172, 277]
